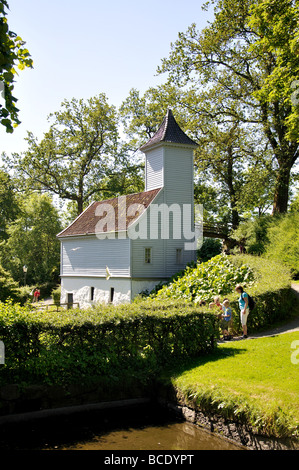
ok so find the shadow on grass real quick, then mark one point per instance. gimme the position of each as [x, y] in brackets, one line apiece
[174, 370]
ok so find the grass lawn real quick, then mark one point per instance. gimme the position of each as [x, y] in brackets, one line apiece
[252, 380]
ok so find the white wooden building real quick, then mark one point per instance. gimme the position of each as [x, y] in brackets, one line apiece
[120, 247]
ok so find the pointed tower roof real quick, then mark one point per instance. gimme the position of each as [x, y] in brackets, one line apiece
[169, 131]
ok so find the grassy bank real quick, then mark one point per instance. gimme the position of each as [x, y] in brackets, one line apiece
[253, 382]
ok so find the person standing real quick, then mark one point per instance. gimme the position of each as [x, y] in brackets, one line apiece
[36, 295]
[244, 308]
[226, 318]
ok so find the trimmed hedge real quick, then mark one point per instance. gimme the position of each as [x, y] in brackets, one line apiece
[76, 346]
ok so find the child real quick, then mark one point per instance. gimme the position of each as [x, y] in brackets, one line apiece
[226, 319]
[36, 294]
[216, 303]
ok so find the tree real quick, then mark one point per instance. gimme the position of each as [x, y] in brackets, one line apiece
[32, 241]
[78, 155]
[9, 208]
[12, 54]
[248, 55]
[8, 287]
[253, 234]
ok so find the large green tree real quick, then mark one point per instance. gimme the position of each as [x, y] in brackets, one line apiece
[248, 55]
[32, 241]
[9, 208]
[13, 55]
[80, 156]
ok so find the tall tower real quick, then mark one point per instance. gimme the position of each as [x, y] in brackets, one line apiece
[169, 165]
[169, 159]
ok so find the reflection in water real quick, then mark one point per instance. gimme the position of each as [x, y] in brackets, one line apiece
[136, 427]
[175, 436]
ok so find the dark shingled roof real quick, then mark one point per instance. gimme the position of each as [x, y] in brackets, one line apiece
[169, 131]
[88, 223]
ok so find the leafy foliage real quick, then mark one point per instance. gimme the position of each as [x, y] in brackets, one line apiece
[8, 287]
[12, 54]
[217, 276]
[253, 234]
[56, 293]
[78, 346]
[32, 241]
[247, 61]
[229, 155]
[80, 156]
[283, 243]
[211, 247]
[8, 203]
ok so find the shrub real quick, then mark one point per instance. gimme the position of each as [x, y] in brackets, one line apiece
[211, 247]
[81, 346]
[8, 287]
[253, 234]
[55, 294]
[25, 294]
[215, 277]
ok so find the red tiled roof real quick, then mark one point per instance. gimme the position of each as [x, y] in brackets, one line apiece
[112, 212]
[169, 131]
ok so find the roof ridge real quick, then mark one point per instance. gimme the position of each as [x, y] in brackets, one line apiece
[166, 119]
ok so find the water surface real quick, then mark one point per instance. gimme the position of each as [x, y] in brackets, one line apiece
[173, 436]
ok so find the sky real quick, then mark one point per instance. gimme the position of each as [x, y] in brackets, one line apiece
[83, 48]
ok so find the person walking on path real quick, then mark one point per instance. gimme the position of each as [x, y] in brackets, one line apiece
[244, 308]
[36, 294]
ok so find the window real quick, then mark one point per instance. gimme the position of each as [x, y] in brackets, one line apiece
[147, 255]
[179, 256]
[70, 300]
[92, 293]
[111, 295]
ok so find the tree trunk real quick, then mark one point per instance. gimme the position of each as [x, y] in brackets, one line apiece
[79, 206]
[231, 188]
[281, 194]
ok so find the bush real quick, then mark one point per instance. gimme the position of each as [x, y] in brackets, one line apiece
[211, 247]
[56, 294]
[8, 287]
[106, 341]
[25, 294]
[217, 276]
[253, 234]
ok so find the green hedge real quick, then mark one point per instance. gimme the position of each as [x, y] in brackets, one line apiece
[82, 346]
